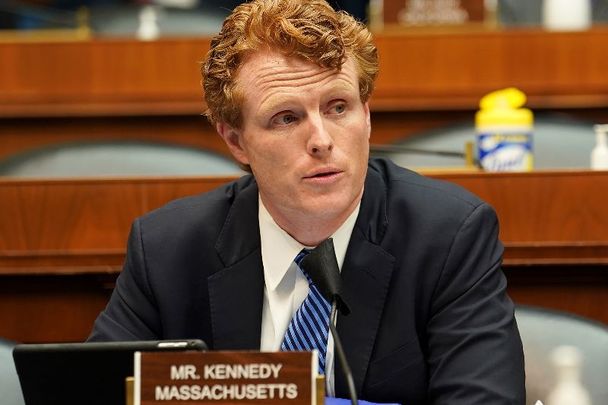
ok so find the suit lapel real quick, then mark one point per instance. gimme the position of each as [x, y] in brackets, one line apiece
[236, 292]
[366, 275]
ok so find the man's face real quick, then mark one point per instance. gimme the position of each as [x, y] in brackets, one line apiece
[305, 134]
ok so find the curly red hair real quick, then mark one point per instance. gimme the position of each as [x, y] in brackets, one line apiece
[310, 30]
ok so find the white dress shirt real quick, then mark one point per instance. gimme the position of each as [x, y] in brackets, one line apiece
[286, 287]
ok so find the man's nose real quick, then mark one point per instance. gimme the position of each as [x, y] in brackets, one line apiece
[320, 141]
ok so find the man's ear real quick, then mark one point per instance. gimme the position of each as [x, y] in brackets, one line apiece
[233, 139]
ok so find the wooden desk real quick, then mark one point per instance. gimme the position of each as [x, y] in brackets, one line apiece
[62, 242]
[424, 70]
[121, 88]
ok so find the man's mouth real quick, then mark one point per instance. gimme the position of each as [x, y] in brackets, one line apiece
[322, 174]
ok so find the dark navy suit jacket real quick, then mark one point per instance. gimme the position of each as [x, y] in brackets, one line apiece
[430, 320]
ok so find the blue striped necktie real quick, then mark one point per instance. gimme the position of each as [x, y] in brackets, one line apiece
[309, 326]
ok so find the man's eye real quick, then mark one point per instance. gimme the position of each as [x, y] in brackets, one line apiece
[338, 108]
[287, 119]
[284, 119]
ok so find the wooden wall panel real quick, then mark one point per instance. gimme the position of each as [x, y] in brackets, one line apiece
[579, 289]
[27, 135]
[420, 70]
[38, 309]
[546, 217]
[453, 69]
[101, 76]
[62, 243]
[53, 92]
[78, 226]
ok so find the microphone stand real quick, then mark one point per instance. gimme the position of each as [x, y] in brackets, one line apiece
[352, 392]
[322, 267]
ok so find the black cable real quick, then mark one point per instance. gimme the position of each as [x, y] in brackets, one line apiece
[406, 149]
[399, 148]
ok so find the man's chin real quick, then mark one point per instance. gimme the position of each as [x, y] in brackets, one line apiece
[329, 209]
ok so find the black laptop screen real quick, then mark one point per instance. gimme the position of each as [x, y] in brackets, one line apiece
[82, 373]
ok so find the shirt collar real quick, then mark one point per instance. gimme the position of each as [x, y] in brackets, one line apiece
[279, 248]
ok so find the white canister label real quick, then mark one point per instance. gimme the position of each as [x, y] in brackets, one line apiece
[506, 152]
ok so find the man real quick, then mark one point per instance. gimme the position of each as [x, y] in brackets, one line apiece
[287, 85]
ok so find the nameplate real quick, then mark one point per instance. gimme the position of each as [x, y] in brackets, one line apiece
[433, 12]
[225, 378]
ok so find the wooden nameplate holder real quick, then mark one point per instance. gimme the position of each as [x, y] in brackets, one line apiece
[225, 378]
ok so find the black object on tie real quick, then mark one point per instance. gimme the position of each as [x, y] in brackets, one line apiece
[309, 327]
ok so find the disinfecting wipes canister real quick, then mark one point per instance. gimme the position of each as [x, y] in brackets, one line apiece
[504, 132]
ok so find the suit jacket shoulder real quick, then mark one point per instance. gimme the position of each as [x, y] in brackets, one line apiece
[206, 210]
[422, 274]
[397, 196]
[175, 254]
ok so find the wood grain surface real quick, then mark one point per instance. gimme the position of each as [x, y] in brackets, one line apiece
[62, 243]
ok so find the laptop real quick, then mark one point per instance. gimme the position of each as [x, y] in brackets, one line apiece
[83, 373]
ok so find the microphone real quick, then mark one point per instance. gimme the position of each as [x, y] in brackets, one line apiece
[322, 267]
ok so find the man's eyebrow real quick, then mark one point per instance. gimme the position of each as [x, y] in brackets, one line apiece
[340, 90]
[275, 104]
[342, 83]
